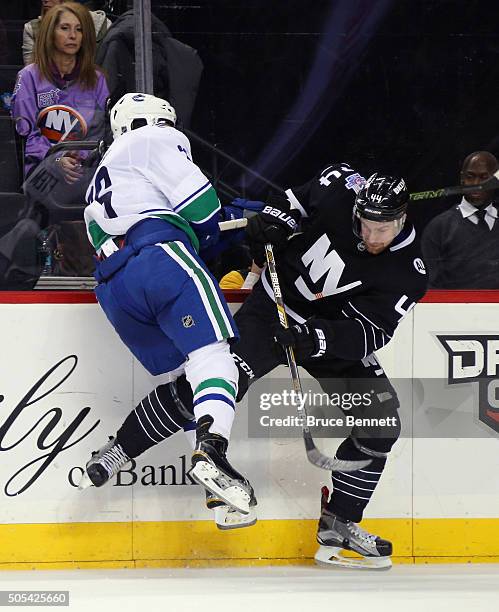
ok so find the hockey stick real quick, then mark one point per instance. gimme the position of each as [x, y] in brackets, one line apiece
[314, 455]
[488, 185]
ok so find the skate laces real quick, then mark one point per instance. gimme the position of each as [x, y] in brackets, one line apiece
[114, 459]
[361, 533]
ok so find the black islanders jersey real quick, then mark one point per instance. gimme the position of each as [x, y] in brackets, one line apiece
[326, 273]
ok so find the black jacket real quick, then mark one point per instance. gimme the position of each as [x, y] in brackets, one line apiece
[177, 67]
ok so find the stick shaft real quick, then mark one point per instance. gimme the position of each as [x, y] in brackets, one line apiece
[314, 455]
[488, 185]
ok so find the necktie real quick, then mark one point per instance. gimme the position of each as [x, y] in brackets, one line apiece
[480, 213]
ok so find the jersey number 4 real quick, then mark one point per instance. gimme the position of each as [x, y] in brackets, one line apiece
[101, 192]
[322, 263]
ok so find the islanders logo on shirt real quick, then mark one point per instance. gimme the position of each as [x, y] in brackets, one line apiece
[59, 122]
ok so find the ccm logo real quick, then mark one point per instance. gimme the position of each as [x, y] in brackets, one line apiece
[282, 216]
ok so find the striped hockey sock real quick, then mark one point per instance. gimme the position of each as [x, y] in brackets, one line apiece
[352, 491]
[216, 397]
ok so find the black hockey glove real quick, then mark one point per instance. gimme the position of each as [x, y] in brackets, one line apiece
[274, 224]
[307, 340]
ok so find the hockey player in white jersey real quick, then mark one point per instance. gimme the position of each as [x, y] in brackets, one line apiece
[150, 210]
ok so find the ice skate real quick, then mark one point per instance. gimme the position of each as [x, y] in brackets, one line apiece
[227, 517]
[335, 535]
[104, 464]
[211, 469]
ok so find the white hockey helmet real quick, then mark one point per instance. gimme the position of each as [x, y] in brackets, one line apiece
[135, 110]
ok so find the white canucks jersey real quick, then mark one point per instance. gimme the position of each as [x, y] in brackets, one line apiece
[148, 172]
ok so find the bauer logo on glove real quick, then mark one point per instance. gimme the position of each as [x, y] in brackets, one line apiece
[281, 216]
[273, 225]
[307, 341]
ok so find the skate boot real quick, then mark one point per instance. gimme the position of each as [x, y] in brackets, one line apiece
[211, 469]
[104, 464]
[227, 517]
[336, 534]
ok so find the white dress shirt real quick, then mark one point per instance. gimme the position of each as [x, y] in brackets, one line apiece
[469, 212]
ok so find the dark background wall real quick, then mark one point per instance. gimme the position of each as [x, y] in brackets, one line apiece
[405, 86]
[408, 86]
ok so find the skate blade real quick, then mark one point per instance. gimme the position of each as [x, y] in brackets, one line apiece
[206, 474]
[328, 556]
[226, 518]
[85, 482]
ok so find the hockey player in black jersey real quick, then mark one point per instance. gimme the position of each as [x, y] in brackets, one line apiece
[347, 279]
[350, 268]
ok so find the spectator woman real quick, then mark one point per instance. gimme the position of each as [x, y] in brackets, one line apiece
[62, 95]
[31, 28]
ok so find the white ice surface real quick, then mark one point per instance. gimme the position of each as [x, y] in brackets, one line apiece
[404, 588]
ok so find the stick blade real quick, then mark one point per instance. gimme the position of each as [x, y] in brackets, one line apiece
[334, 464]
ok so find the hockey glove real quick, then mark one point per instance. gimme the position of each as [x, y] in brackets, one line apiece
[229, 213]
[254, 205]
[274, 224]
[307, 341]
[235, 210]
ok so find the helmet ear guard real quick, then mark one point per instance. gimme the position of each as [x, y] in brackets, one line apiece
[135, 110]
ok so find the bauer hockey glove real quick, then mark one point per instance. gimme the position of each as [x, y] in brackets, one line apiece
[274, 224]
[307, 341]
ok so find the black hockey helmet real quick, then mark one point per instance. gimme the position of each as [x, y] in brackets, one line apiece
[382, 198]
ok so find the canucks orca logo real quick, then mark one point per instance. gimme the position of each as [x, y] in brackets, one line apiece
[475, 358]
[59, 122]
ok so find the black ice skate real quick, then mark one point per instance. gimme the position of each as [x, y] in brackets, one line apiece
[227, 517]
[103, 465]
[211, 469]
[336, 534]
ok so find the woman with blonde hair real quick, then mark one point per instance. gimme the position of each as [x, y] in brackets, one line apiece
[63, 94]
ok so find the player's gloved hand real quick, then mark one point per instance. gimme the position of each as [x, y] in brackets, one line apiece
[307, 341]
[229, 213]
[236, 209]
[274, 224]
[254, 205]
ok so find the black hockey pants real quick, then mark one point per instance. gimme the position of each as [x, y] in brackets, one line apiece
[256, 354]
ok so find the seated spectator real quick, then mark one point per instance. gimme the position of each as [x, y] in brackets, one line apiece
[61, 97]
[177, 67]
[31, 28]
[461, 245]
